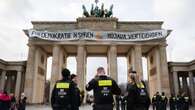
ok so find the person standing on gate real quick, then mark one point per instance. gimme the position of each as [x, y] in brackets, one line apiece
[104, 88]
[64, 94]
[78, 94]
[138, 98]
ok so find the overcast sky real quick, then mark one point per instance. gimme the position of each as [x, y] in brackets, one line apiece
[177, 15]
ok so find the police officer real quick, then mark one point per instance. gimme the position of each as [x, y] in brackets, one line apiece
[64, 94]
[185, 102]
[138, 98]
[172, 102]
[103, 88]
[158, 101]
[179, 102]
[78, 94]
[163, 102]
[154, 101]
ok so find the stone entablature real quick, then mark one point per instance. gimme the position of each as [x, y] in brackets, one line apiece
[12, 65]
[103, 24]
[182, 66]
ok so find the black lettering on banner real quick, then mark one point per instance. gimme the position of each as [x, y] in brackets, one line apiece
[75, 35]
[91, 35]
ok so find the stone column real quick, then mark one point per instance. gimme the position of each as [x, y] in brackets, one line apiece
[176, 82]
[62, 63]
[185, 84]
[150, 91]
[9, 83]
[81, 66]
[192, 91]
[112, 62]
[2, 84]
[138, 60]
[30, 70]
[129, 63]
[158, 69]
[36, 87]
[55, 72]
[18, 84]
[164, 70]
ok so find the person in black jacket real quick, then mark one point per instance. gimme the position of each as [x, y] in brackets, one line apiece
[179, 102]
[185, 101]
[22, 102]
[64, 94]
[138, 98]
[172, 102]
[103, 88]
[78, 94]
[154, 101]
[163, 102]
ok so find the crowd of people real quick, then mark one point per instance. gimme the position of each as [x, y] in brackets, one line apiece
[179, 102]
[9, 102]
[66, 95]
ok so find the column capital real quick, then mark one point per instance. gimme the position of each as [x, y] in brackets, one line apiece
[4, 71]
[137, 45]
[31, 45]
[56, 45]
[19, 71]
[81, 45]
[112, 46]
[163, 45]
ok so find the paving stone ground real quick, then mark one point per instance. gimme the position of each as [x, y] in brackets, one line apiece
[85, 107]
[47, 107]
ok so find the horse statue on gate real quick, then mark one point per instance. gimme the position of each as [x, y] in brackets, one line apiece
[110, 12]
[85, 12]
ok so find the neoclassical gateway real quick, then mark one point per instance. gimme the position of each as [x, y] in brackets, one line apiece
[93, 36]
[96, 36]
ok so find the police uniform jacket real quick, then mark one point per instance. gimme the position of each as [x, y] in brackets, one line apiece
[104, 87]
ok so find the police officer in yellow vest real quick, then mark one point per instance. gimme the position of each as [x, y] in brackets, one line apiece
[163, 102]
[185, 102]
[64, 94]
[138, 98]
[172, 102]
[103, 88]
[154, 101]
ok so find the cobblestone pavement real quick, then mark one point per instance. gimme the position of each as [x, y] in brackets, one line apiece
[46, 107]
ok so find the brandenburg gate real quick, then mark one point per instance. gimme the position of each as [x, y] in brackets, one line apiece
[98, 34]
